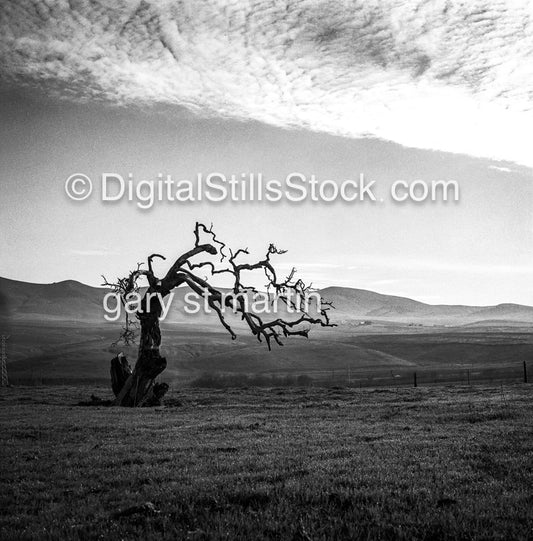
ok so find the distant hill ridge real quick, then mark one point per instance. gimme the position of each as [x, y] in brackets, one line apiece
[349, 301]
[74, 301]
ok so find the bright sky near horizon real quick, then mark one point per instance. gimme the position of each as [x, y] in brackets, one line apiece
[130, 88]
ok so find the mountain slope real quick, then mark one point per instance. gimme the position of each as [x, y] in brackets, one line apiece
[67, 300]
[362, 304]
[72, 301]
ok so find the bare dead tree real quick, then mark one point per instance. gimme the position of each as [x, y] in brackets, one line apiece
[137, 387]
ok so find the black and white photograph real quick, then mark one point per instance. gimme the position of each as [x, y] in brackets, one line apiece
[266, 270]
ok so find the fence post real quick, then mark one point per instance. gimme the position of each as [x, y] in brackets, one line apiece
[525, 372]
[414, 379]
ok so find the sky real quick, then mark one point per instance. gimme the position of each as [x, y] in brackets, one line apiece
[420, 90]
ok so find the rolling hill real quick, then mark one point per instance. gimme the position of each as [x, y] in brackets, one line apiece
[76, 302]
[359, 303]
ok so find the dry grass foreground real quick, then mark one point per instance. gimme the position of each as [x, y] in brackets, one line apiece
[426, 463]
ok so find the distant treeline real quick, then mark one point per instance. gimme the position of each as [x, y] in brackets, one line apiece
[218, 381]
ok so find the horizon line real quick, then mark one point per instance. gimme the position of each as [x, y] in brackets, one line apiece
[318, 289]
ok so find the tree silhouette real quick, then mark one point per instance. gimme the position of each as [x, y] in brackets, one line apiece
[137, 387]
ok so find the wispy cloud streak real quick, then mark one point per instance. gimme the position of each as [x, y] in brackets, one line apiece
[441, 74]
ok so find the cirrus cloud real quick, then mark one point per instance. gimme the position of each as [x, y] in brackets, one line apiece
[439, 74]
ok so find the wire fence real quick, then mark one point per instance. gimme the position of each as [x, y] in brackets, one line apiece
[396, 377]
[421, 376]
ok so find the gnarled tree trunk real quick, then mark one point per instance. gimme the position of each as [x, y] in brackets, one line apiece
[139, 387]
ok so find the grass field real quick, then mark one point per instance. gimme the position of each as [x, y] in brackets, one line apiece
[427, 463]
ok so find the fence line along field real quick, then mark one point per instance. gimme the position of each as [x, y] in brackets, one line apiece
[281, 463]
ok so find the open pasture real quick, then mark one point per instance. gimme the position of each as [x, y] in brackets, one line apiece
[427, 463]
